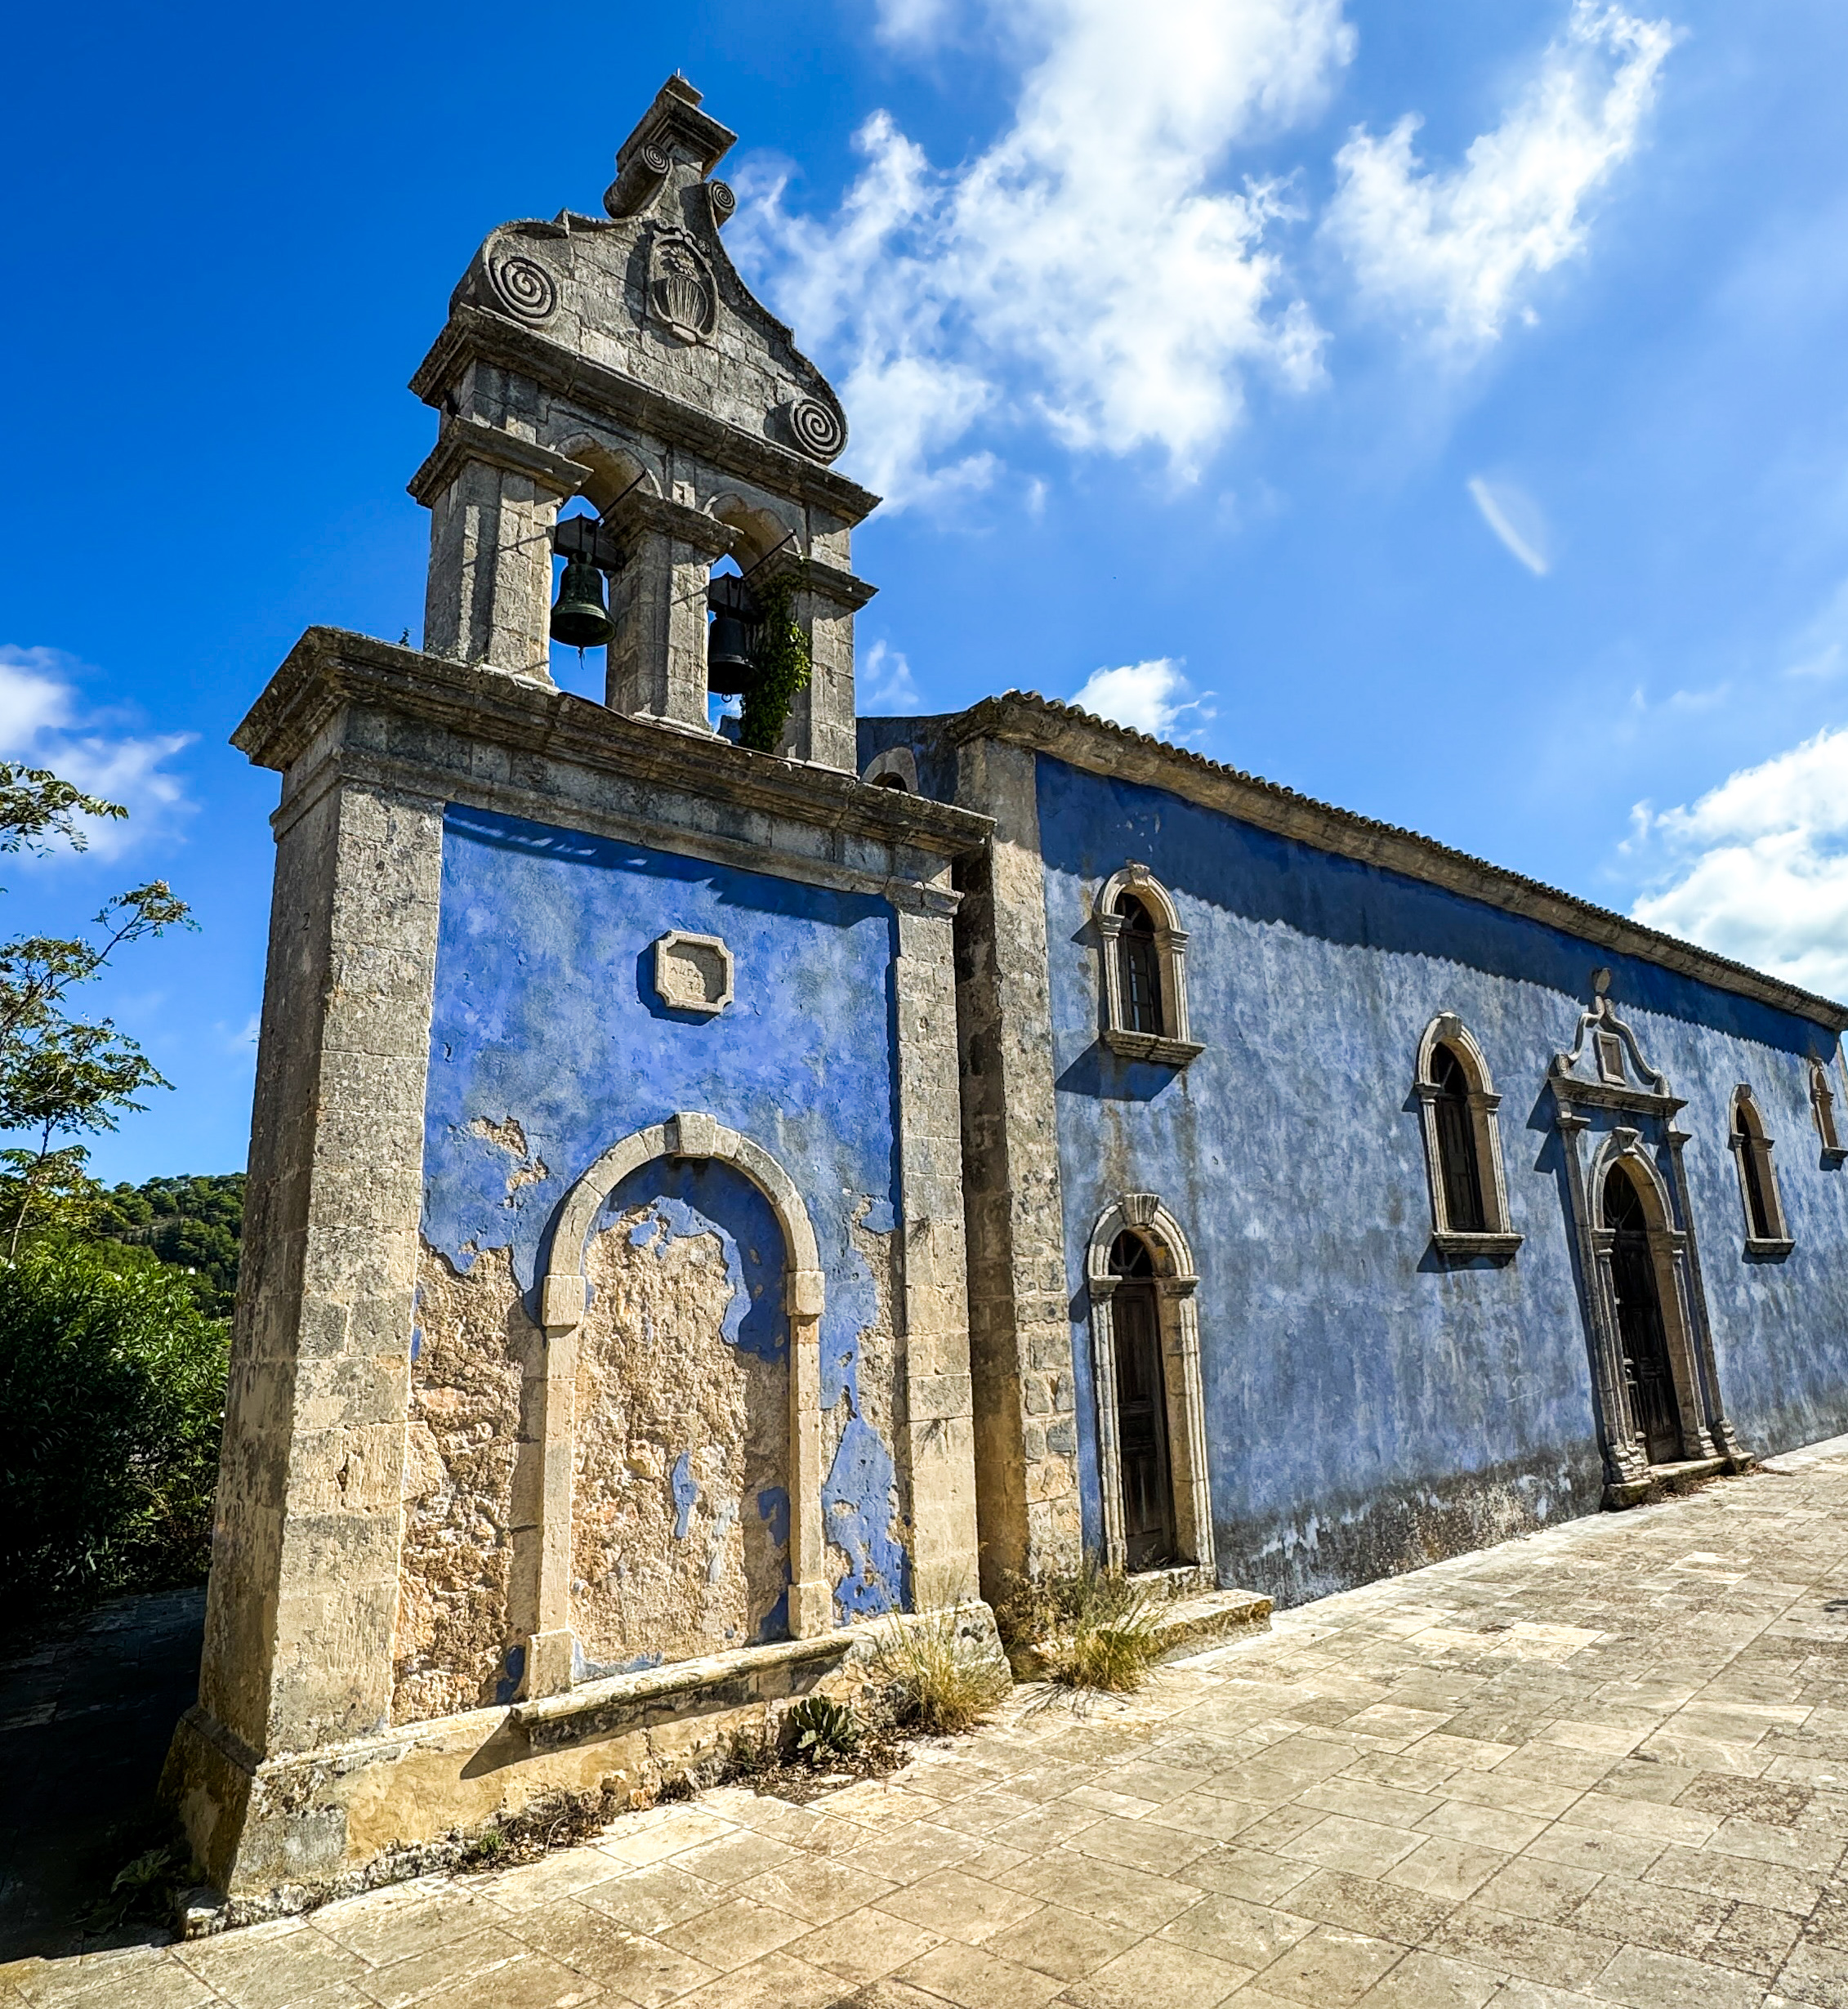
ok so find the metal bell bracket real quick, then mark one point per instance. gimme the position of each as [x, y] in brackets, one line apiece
[589, 540]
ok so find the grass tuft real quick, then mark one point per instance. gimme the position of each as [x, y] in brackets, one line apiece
[943, 1675]
[1092, 1629]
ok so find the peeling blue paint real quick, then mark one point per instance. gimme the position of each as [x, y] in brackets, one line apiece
[544, 1014]
[773, 1506]
[707, 1197]
[856, 1511]
[686, 1495]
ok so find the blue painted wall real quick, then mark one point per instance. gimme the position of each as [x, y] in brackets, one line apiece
[546, 1014]
[1368, 1408]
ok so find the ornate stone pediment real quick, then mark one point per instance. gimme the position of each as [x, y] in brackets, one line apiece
[1607, 1063]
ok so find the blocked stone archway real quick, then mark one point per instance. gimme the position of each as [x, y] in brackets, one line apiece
[549, 1657]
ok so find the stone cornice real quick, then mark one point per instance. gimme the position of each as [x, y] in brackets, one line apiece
[473, 331]
[330, 669]
[1025, 719]
[463, 439]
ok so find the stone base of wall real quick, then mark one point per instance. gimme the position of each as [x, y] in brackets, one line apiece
[282, 1834]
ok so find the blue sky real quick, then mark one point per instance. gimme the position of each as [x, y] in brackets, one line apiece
[1439, 410]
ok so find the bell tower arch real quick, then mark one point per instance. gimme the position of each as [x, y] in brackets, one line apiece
[620, 357]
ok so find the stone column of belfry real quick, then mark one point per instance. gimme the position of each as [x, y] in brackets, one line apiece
[656, 666]
[492, 499]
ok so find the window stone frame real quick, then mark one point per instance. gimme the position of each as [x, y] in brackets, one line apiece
[1822, 1108]
[1174, 1045]
[1497, 1238]
[1749, 1135]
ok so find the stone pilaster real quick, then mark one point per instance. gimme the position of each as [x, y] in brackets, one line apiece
[936, 1430]
[1020, 1331]
[657, 662]
[303, 1598]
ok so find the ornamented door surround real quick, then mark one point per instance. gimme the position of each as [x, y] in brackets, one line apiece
[1606, 1070]
[562, 1306]
[1176, 1281]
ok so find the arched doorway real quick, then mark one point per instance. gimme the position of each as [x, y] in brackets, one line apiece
[1639, 1330]
[1147, 1493]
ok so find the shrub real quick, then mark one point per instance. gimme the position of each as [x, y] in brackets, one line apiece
[1090, 1629]
[112, 1407]
[943, 1676]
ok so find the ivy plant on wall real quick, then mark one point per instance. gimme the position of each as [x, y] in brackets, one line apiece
[782, 665]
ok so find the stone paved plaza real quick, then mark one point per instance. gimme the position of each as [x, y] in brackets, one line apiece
[1605, 1764]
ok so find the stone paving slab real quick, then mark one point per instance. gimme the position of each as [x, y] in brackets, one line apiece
[1607, 1765]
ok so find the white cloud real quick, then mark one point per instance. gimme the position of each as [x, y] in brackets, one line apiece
[1761, 870]
[1151, 697]
[1455, 251]
[1081, 271]
[1516, 519]
[43, 724]
[884, 682]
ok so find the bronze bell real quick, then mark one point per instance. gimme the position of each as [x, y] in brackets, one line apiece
[579, 619]
[728, 653]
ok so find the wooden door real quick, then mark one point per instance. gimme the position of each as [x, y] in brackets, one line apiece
[1638, 1323]
[1148, 1497]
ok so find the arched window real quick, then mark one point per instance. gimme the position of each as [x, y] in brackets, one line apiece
[1456, 1144]
[1469, 1196]
[1141, 974]
[1821, 1101]
[895, 768]
[1145, 971]
[1765, 1231]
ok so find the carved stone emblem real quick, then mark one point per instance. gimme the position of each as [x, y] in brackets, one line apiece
[817, 428]
[693, 973]
[522, 287]
[680, 289]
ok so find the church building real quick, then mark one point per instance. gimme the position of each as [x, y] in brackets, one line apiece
[720, 1185]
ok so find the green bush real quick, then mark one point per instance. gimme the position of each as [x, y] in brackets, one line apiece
[112, 1406]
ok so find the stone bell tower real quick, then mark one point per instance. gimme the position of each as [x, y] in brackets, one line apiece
[620, 357]
[600, 1366]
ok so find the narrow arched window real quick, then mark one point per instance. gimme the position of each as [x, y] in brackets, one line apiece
[1456, 1144]
[1822, 1101]
[1469, 1194]
[1142, 974]
[1758, 1180]
[1144, 966]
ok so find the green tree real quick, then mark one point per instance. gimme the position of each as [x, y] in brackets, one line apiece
[194, 1224]
[62, 1076]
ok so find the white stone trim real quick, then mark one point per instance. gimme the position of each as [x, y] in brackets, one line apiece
[1497, 1236]
[1174, 1045]
[562, 1305]
[1176, 1280]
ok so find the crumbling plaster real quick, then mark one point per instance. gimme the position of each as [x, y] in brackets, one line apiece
[546, 1012]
